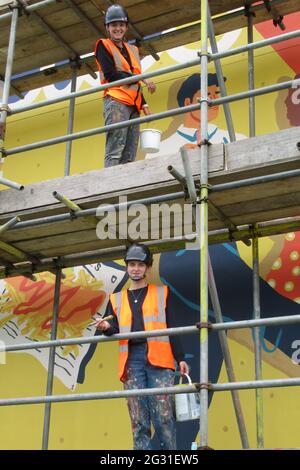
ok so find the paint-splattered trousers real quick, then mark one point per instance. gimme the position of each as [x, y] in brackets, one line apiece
[157, 409]
[121, 144]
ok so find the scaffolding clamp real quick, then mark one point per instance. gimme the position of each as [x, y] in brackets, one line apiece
[248, 11]
[203, 386]
[201, 200]
[21, 6]
[253, 230]
[277, 18]
[279, 22]
[204, 54]
[6, 108]
[204, 142]
[203, 324]
[73, 208]
[76, 62]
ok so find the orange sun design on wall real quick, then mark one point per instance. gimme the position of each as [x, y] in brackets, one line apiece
[30, 305]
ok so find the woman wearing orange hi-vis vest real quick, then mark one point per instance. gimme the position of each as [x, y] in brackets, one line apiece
[116, 60]
[145, 362]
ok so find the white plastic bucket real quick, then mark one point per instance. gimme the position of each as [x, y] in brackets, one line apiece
[187, 405]
[150, 140]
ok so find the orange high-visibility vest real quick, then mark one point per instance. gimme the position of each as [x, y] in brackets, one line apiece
[154, 315]
[127, 94]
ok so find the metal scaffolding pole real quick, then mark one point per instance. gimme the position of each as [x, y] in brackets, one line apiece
[100, 395]
[227, 356]
[51, 362]
[183, 330]
[8, 72]
[109, 254]
[123, 81]
[257, 346]
[251, 83]
[257, 92]
[9, 183]
[258, 44]
[153, 117]
[255, 45]
[162, 71]
[247, 385]
[221, 81]
[256, 180]
[102, 130]
[71, 120]
[29, 8]
[202, 207]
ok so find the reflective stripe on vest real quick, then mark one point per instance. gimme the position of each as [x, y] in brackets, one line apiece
[127, 94]
[159, 348]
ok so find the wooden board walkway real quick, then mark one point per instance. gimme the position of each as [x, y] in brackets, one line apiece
[262, 155]
[73, 36]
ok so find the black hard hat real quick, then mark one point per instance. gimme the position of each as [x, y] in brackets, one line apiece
[115, 13]
[138, 252]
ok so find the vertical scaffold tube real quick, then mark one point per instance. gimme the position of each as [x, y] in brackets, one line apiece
[227, 356]
[251, 80]
[203, 208]
[7, 81]
[71, 121]
[221, 80]
[257, 345]
[51, 358]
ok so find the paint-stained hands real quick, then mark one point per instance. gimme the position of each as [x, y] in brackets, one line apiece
[102, 324]
[184, 368]
[150, 85]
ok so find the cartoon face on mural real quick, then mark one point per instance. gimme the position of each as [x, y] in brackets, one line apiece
[185, 129]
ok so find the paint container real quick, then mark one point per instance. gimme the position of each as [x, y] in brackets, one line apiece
[187, 405]
[150, 140]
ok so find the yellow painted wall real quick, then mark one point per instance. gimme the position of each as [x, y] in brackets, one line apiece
[105, 424]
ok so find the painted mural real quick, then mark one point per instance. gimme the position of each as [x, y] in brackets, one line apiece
[26, 306]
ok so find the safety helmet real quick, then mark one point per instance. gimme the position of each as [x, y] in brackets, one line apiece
[139, 252]
[115, 13]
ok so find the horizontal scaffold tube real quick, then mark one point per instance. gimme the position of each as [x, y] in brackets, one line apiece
[102, 130]
[99, 395]
[123, 81]
[27, 8]
[107, 254]
[255, 45]
[184, 330]
[256, 92]
[93, 211]
[254, 384]
[265, 227]
[162, 71]
[152, 117]
[255, 180]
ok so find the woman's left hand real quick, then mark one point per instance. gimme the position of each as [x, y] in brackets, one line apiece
[146, 110]
[150, 85]
[184, 368]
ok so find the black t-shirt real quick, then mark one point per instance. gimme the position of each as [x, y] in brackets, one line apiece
[138, 321]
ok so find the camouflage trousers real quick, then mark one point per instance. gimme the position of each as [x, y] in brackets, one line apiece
[121, 144]
[144, 410]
